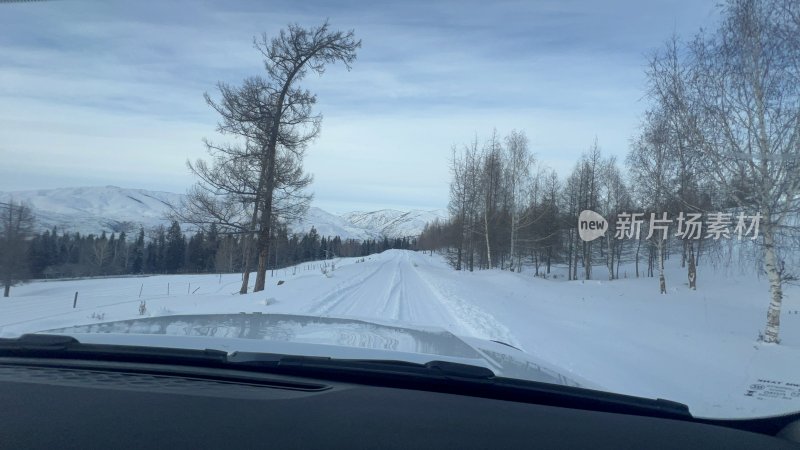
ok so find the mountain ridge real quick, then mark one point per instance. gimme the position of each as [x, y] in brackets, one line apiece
[94, 209]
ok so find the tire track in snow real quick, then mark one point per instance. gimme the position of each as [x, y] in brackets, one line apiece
[328, 302]
[475, 320]
[395, 299]
[396, 289]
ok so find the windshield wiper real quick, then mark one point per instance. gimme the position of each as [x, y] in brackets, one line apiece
[67, 347]
[445, 376]
[435, 376]
[441, 370]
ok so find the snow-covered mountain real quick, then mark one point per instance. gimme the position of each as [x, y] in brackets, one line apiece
[328, 224]
[394, 223]
[114, 209]
[369, 225]
[96, 209]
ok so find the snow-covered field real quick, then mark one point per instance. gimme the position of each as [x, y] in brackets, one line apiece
[696, 347]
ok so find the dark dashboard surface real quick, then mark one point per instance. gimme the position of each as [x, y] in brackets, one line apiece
[56, 407]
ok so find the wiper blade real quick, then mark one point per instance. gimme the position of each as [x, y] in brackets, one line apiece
[437, 376]
[432, 369]
[67, 347]
[445, 376]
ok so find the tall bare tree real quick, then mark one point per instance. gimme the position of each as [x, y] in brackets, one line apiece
[491, 184]
[650, 164]
[746, 80]
[249, 187]
[465, 168]
[518, 172]
[16, 228]
[668, 82]
[287, 59]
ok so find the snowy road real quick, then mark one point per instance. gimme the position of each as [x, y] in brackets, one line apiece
[389, 289]
[395, 287]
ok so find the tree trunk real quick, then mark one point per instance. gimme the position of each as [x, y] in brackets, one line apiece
[265, 231]
[549, 255]
[511, 254]
[245, 264]
[587, 260]
[575, 256]
[264, 234]
[775, 284]
[460, 248]
[248, 237]
[683, 252]
[662, 282]
[569, 257]
[692, 267]
[488, 247]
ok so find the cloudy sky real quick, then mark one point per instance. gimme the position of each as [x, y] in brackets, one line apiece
[111, 92]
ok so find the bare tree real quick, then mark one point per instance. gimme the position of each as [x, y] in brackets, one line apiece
[668, 78]
[591, 165]
[613, 199]
[251, 186]
[518, 171]
[16, 229]
[465, 168]
[746, 81]
[490, 182]
[287, 59]
[650, 165]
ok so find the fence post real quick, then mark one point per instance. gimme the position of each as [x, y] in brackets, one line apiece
[140, 290]
[75, 300]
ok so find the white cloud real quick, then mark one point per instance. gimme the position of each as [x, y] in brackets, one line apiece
[111, 93]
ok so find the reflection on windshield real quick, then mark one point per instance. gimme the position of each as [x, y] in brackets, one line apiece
[290, 328]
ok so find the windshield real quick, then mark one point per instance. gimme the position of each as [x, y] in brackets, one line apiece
[597, 194]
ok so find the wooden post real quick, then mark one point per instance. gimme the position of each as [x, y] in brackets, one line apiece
[167, 288]
[75, 300]
[140, 290]
[189, 288]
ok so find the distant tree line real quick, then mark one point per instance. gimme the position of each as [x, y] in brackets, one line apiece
[168, 250]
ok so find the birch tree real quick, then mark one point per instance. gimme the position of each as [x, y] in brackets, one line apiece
[746, 81]
[668, 82]
[649, 164]
[518, 171]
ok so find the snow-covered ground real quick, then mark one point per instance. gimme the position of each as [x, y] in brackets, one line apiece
[696, 347]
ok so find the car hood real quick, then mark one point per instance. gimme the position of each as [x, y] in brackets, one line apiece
[341, 338]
